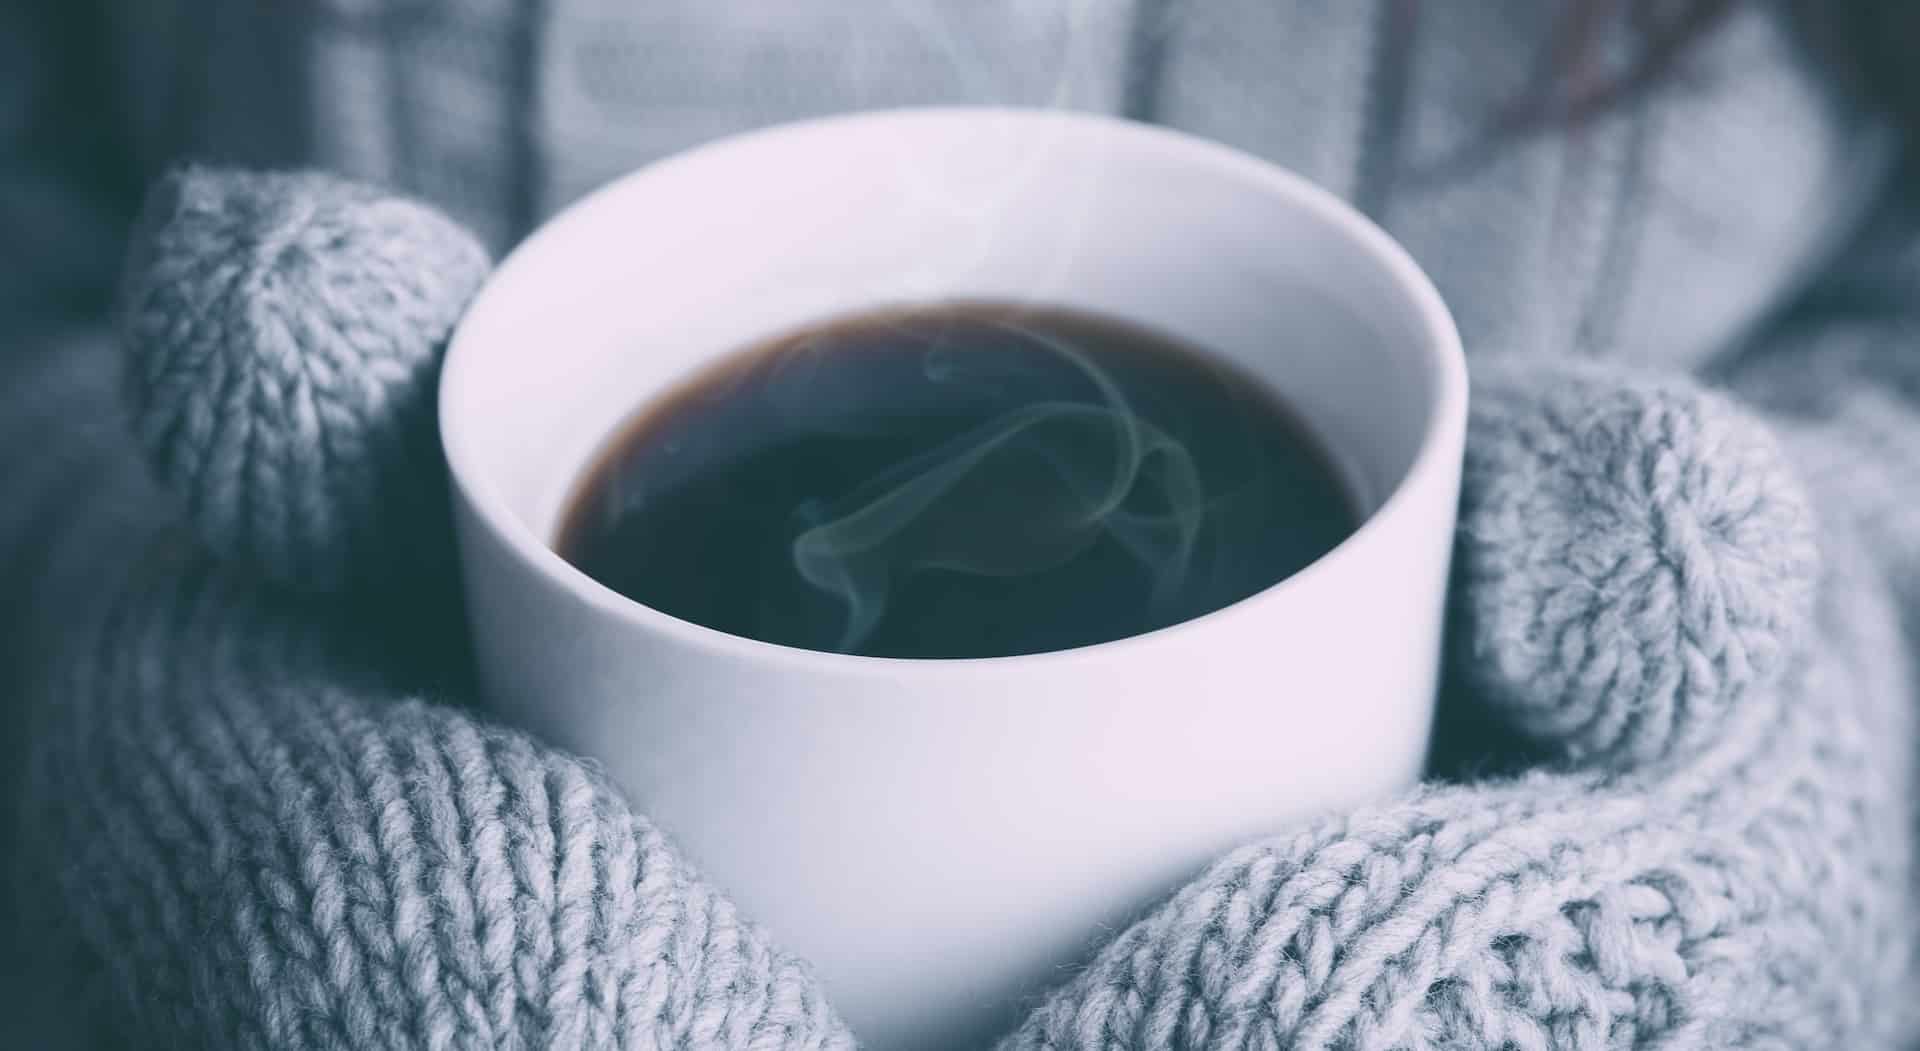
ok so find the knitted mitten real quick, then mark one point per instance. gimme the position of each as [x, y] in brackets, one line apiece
[1719, 852]
[244, 825]
[250, 835]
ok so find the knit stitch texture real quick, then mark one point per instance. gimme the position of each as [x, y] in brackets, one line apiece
[250, 831]
[287, 331]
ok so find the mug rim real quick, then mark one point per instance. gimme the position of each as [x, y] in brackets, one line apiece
[1447, 363]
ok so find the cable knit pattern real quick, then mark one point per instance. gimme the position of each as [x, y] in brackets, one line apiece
[249, 836]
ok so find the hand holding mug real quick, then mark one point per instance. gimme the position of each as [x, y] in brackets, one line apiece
[502, 890]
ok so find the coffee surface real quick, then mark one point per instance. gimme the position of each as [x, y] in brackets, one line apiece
[956, 480]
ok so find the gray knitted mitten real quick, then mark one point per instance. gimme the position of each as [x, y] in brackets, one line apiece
[250, 834]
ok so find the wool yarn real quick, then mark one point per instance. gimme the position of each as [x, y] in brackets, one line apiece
[1720, 859]
[283, 333]
[1643, 556]
[271, 847]
[254, 837]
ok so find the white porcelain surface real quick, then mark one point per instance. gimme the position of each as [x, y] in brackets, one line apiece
[944, 838]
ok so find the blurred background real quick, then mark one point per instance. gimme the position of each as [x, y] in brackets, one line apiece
[501, 111]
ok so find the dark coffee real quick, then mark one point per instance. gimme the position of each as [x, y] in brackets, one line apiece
[961, 480]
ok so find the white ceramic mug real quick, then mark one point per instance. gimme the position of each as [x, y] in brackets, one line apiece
[943, 839]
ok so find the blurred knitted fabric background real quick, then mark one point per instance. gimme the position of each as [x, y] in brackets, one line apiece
[1744, 220]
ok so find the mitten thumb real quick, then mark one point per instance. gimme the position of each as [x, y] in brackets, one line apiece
[283, 334]
[1634, 556]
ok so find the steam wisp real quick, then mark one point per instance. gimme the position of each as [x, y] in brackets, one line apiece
[1025, 492]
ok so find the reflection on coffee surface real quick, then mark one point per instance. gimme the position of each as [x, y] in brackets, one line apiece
[956, 480]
